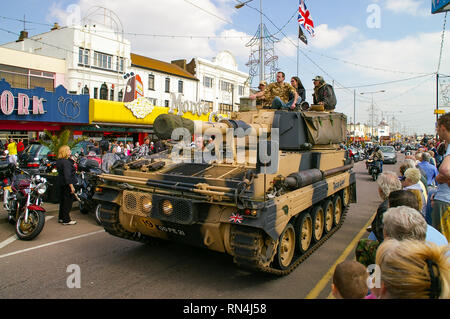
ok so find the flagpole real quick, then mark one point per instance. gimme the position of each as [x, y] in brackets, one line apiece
[298, 49]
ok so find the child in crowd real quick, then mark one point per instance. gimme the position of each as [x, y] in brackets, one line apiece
[350, 280]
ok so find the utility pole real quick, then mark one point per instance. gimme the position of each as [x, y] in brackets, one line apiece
[372, 106]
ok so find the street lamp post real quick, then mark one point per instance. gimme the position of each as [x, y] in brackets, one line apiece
[372, 93]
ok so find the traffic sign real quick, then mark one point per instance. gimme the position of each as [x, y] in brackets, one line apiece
[438, 6]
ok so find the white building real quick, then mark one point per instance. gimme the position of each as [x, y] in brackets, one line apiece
[221, 83]
[96, 57]
[162, 81]
[383, 129]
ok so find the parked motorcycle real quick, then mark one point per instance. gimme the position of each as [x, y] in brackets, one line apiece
[87, 181]
[22, 200]
[374, 168]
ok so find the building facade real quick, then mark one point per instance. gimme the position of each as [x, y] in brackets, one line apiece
[221, 84]
[96, 58]
[163, 81]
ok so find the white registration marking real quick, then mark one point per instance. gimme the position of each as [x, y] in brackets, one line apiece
[50, 244]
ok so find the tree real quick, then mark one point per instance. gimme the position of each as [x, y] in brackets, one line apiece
[54, 142]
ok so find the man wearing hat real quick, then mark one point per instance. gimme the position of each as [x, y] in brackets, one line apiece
[278, 94]
[323, 94]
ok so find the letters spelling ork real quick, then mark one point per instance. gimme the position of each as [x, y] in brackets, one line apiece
[7, 104]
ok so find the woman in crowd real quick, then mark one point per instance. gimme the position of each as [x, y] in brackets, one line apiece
[413, 269]
[66, 180]
[298, 86]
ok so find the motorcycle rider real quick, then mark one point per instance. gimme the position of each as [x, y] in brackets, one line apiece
[378, 156]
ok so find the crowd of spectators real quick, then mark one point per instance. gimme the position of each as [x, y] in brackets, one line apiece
[408, 243]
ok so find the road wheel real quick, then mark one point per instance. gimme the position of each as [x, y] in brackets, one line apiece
[329, 211]
[346, 196]
[286, 247]
[318, 219]
[304, 232]
[337, 204]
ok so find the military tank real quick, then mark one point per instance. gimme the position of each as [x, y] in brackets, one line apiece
[273, 188]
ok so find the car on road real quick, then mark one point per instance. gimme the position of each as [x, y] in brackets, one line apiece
[389, 153]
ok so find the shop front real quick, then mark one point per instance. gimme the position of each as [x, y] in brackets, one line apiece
[134, 120]
[25, 113]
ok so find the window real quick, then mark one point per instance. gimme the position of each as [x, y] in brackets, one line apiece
[226, 86]
[104, 92]
[27, 79]
[151, 82]
[119, 64]
[95, 93]
[166, 103]
[120, 96]
[241, 90]
[224, 108]
[83, 56]
[102, 60]
[85, 90]
[111, 95]
[210, 105]
[180, 86]
[167, 85]
[207, 82]
[152, 100]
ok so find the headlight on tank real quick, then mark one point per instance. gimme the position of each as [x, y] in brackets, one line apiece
[167, 207]
[147, 205]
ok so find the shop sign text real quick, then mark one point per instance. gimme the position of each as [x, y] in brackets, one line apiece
[8, 104]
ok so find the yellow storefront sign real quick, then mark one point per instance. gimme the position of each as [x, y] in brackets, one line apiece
[102, 111]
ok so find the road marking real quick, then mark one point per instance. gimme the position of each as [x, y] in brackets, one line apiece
[326, 278]
[8, 241]
[13, 238]
[52, 243]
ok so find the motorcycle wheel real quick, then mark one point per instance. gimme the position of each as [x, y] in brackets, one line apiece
[97, 214]
[28, 230]
[374, 176]
[83, 209]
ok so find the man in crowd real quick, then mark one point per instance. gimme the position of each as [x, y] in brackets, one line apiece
[12, 149]
[279, 94]
[323, 94]
[440, 215]
[144, 148]
[430, 170]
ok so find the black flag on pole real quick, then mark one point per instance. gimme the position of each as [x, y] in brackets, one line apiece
[302, 36]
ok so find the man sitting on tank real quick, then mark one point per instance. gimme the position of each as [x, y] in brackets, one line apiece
[280, 94]
[323, 94]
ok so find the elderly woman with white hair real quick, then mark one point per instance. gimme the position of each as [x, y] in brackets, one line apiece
[411, 182]
[387, 183]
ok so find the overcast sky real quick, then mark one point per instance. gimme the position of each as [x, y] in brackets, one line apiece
[358, 43]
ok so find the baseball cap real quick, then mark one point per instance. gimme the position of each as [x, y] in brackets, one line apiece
[318, 78]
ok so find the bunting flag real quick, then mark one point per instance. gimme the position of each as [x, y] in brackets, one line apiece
[304, 18]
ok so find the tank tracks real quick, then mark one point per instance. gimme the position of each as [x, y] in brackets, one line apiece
[245, 242]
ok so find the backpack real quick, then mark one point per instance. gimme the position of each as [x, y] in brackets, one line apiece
[332, 98]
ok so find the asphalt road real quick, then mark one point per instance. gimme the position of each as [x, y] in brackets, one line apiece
[111, 267]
